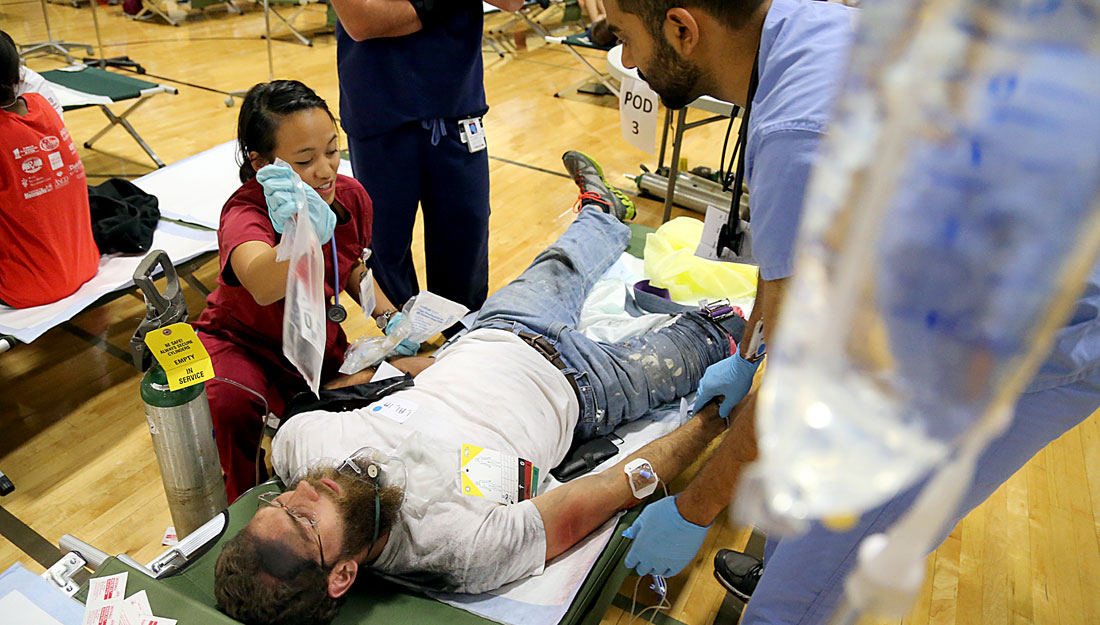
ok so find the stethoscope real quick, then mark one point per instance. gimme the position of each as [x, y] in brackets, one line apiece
[335, 312]
[732, 235]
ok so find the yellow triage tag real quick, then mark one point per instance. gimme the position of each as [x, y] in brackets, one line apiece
[178, 349]
[501, 477]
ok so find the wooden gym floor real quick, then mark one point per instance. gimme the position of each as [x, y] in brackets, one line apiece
[74, 437]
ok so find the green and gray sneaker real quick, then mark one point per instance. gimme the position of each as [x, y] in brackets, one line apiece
[595, 189]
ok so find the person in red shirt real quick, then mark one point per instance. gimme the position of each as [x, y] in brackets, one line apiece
[242, 325]
[45, 223]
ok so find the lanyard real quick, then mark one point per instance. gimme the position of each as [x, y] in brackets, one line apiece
[732, 235]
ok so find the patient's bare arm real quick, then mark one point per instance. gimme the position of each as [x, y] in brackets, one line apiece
[411, 365]
[572, 511]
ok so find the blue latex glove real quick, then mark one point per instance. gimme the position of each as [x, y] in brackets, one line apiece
[405, 347]
[731, 378]
[664, 543]
[279, 189]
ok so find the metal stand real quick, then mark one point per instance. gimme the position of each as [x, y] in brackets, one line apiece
[682, 126]
[289, 23]
[52, 46]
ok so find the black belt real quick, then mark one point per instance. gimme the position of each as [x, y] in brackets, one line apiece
[553, 356]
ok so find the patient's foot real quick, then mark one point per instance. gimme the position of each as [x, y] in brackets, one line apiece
[595, 189]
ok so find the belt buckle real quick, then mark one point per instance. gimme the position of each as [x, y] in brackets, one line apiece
[720, 310]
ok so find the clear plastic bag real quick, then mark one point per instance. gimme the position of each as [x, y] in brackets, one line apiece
[304, 322]
[423, 316]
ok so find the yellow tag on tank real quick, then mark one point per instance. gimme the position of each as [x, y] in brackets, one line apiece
[180, 352]
[840, 522]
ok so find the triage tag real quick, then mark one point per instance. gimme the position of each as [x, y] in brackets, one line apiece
[473, 135]
[497, 476]
[643, 479]
[181, 353]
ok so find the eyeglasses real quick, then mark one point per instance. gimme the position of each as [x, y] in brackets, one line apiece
[269, 499]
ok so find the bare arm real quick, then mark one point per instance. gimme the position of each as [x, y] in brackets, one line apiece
[506, 5]
[259, 273]
[709, 493]
[374, 19]
[381, 302]
[573, 510]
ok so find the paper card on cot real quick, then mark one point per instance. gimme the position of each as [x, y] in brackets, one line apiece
[180, 352]
[394, 408]
[157, 620]
[497, 476]
[140, 602]
[472, 133]
[106, 590]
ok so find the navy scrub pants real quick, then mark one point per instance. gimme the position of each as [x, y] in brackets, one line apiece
[427, 163]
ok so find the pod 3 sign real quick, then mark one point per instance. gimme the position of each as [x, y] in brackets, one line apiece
[638, 114]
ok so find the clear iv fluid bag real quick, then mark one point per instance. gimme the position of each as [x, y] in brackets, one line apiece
[947, 231]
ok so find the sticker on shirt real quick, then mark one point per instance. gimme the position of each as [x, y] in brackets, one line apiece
[32, 165]
[497, 476]
[395, 408]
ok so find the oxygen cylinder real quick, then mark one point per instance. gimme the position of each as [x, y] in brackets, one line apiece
[183, 439]
[179, 421]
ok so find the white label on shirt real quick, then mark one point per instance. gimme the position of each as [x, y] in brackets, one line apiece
[638, 114]
[395, 408]
[708, 244]
[55, 160]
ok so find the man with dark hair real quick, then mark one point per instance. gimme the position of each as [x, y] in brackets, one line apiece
[523, 383]
[783, 61]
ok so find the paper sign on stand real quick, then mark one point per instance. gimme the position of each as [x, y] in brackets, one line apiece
[638, 114]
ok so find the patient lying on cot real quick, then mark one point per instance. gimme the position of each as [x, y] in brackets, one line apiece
[524, 383]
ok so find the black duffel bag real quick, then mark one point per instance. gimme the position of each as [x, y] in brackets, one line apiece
[123, 217]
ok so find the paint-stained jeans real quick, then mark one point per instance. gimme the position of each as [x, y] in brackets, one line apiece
[618, 381]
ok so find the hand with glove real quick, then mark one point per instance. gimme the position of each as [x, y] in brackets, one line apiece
[664, 542]
[405, 347]
[731, 378]
[280, 190]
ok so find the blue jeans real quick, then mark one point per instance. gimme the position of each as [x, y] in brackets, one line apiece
[617, 381]
[803, 580]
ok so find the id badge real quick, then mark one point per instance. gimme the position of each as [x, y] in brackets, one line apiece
[472, 133]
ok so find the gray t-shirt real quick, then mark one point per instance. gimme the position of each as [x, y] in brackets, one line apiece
[490, 390]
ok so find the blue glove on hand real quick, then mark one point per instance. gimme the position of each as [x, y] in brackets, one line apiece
[405, 347]
[731, 378]
[279, 185]
[664, 543]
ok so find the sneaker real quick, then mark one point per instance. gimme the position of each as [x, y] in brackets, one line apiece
[738, 572]
[595, 189]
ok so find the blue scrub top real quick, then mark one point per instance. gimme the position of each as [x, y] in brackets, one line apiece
[804, 50]
[434, 73]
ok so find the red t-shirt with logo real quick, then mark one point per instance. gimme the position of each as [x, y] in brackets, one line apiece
[232, 314]
[45, 224]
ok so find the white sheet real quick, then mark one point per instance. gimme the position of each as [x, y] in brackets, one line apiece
[194, 189]
[115, 272]
[544, 599]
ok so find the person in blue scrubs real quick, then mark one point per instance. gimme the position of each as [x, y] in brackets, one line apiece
[787, 58]
[410, 71]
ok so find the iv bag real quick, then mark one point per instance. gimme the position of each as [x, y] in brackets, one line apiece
[304, 322]
[947, 231]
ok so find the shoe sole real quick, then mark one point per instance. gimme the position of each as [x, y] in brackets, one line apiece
[626, 201]
[737, 593]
